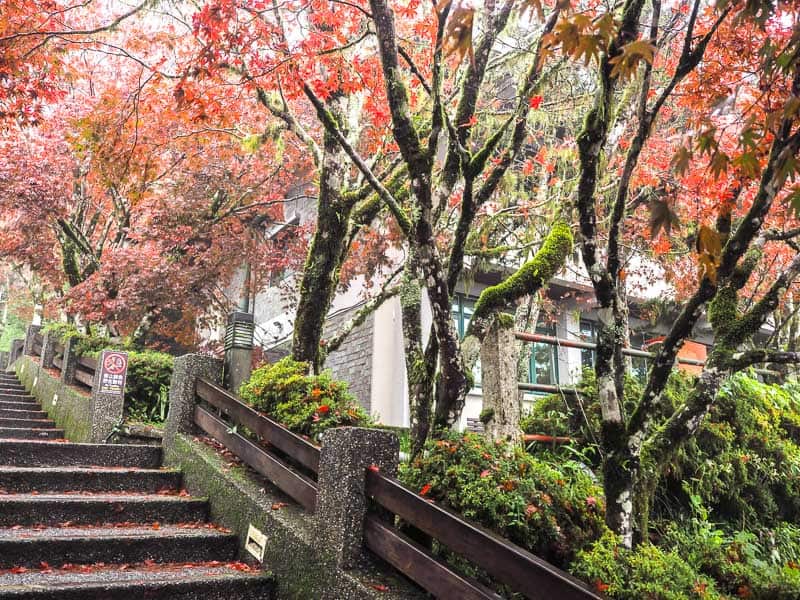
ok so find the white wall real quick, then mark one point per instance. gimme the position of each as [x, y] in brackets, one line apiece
[389, 386]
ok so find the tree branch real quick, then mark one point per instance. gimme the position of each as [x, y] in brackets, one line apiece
[329, 123]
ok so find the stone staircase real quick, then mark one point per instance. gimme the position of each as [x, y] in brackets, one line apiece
[103, 522]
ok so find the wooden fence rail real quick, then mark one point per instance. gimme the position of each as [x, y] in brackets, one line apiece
[85, 370]
[303, 489]
[38, 342]
[503, 561]
[295, 485]
[58, 357]
[301, 450]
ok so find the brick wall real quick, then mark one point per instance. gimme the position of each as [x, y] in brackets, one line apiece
[352, 362]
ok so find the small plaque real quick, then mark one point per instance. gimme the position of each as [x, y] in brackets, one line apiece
[55, 399]
[256, 543]
[113, 371]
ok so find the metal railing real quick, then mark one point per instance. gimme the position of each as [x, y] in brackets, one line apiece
[538, 338]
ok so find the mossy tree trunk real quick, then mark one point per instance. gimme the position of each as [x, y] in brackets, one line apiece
[420, 363]
[501, 398]
[637, 449]
[501, 376]
[328, 248]
[622, 437]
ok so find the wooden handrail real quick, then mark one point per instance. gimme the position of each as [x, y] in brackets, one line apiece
[419, 565]
[88, 362]
[295, 485]
[303, 451]
[504, 561]
[84, 378]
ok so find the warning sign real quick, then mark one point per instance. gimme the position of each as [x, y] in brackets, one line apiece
[113, 371]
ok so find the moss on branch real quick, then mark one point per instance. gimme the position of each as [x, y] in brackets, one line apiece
[528, 279]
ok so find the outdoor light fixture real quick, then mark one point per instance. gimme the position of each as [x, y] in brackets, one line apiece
[238, 349]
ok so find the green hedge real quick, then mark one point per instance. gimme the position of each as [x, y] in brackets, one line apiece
[551, 508]
[13, 330]
[306, 404]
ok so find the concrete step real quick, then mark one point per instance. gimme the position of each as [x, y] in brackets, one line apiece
[68, 479]
[59, 454]
[17, 397]
[113, 545]
[17, 389]
[87, 509]
[6, 413]
[168, 581]
[29, 433]
[21, 404]
[34, 423]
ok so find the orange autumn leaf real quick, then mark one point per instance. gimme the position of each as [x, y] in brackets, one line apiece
[709, 249]
[458, 34]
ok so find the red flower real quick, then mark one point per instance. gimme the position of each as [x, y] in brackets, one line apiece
[535, 102]
[323, 409]
[425, 489]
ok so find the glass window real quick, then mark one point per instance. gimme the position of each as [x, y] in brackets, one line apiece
[462, 310]
[588, 334]
[639, 365]
[544, 359]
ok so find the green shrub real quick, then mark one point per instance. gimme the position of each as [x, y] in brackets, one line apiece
[147, 387]
[14, 329]
[647, 572]
[762, 566]
[577, 417]
[744, 464]
[551, 509]
[306, 404]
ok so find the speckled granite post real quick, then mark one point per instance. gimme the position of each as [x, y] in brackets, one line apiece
[48, 350]
[16, 351]
[70, 359]
[107, 411]
[188, 368]
[3, 361]
[341, 504]
[29, 335]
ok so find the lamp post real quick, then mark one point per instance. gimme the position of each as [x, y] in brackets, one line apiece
[238, 349]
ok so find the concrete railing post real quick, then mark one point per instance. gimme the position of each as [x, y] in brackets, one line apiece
[4, 362]
[185, 373]
[48, 350]
[341, 503]
[30, 334]
[16, 351]
[70, 363]
[107, 410]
